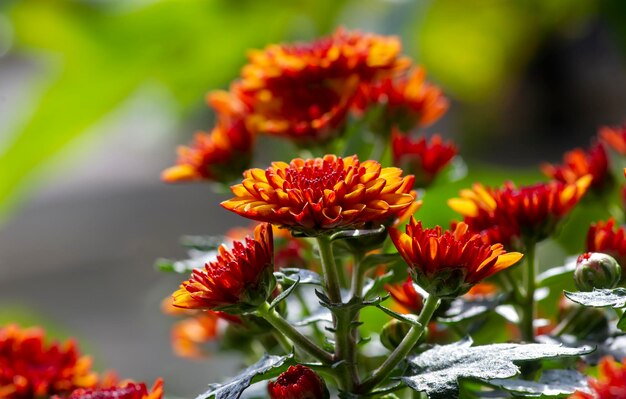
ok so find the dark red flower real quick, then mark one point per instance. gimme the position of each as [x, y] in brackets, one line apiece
[238, 279]
[422, 158]
[610, 385]
[608, 238]
[447, 264]
[298, 382]
[578, 163]
[125, 390]
[30, 368]
[510, 214]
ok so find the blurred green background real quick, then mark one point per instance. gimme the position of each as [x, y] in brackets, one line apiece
[96, 94]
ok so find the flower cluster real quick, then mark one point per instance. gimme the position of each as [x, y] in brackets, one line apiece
[124, 390]
[578, 163]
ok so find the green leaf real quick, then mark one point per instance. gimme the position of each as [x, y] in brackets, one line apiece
[438, 371]
[267, 367]
[283, 295]
[358, 233]
[407, 318]
[202, 243]
[552, 384]
[464, 309]
[322, 314]
[556, 274]
[621, 324]
[303, 276]
[600, 298]
[196, 260]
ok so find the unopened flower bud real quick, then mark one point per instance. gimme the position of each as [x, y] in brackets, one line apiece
[596, 270]
[298, 382]
[393, 333]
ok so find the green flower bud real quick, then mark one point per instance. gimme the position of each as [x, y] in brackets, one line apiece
[596, 270]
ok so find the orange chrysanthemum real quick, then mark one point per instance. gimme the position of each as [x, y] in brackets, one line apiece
[30, 368]
[422, 158]
[610, 385]
[239, 279]
[220, 155]
[408, 99]
[578, 163]
[509, 214]
[614, 137]
[447, 264]
[125, 390]
[322, 194]
[406, 297]
[608, 238]
[304, 91]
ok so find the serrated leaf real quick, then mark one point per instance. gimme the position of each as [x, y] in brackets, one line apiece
[552, 384]
[407, 318]
[196, 260]
[304, 276]
[464, 309]
[600, 298]
[556, 274]
[257, 372]
[438, 370]
[283, 295]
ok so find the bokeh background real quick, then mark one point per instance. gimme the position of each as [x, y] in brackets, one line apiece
[96, 94]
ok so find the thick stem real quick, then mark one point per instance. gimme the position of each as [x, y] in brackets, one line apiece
[400, 353]
[329, 267]
[528, 307]
[299, 340]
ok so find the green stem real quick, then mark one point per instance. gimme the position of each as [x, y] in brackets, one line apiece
[569, 320]
[400, 353]
[331, 278]
[528, 306]
[282, 341]
[518, 295]
[294, 335]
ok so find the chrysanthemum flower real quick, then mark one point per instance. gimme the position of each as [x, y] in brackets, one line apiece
[610, 385]
[609, 238]
[30, 368]
[408, 100]
[298, 382]
[614, 137]
[578, 163]
[239, 279]
[406, 297]
[304, 91]
[124, 390]
[322, 194]
[422, 158]
[448, 263]
[220, 155]
[510, 214]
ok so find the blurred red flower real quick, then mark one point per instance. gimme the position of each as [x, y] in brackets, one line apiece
[610, 385]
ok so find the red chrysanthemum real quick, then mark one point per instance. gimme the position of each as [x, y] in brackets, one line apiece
[609, 238]
[298, 382]
[304, 91]
[239, 279]
[610, 385]
[30, 368]
[422, 158]
[578, 163]
[449, 263]
[406, 297]
[322, 194]
[509, 214]
[125, 390]
[220, 155]
[408, 100]
[614, 137]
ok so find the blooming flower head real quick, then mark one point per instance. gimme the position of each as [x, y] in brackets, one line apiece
[422, 158]
[31, 368]
[510, 214]
[220, 155]
[578, 163]
[124, 390]
[614, 137]
[304, 91]
[448, 263]
[405, 295]
[610, 385]
[322, 194]
[608, 238]
[239, 279]
[408, 100]
[298, 382]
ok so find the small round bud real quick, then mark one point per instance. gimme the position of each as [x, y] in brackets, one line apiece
[393, 333]
[298, 382]
[596, 270]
